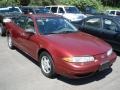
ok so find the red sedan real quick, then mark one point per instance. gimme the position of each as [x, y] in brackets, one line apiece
[58, 46]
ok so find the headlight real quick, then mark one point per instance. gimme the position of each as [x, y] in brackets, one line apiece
[109, 52]
[79, 59]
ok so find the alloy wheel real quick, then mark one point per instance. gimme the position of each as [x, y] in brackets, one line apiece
[45, 64]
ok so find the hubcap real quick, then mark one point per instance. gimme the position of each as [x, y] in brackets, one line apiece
[45, 64]
[9, 41]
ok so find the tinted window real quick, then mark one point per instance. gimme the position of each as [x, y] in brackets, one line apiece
[42, 10]
[109, 25]
[94, 22]
[118, 13]
[61, 10]
[21, 21]
[14, 10]
[54, 9]
[48, 8]
[72, 10]
[31, 10]
[4, 11]
[112, 12]
[29, 24]
[25, 10]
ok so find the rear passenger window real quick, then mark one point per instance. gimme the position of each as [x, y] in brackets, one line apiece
[112, 12]
[54, 9]
[21, 22]
[48, 8]
[118, 13]
[31, 11]
[94, 22]
[109, 25]
[60, 10]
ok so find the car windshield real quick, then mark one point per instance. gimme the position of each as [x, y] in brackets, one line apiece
[72, 10]
[10, 10]
[14, 10]
[41, 10]
[4, 11]
[55, 26]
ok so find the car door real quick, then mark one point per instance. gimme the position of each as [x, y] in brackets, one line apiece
[17, 31]
[111, 32]
[29, 40]
[93, 26]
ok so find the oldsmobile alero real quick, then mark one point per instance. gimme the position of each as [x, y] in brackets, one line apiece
[58, 46]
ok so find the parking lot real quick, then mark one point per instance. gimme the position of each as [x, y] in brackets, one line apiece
[19, 72]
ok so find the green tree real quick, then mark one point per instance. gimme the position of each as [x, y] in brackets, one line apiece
[24, 2]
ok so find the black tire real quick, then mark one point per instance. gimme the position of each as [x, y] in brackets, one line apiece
[51, 70]
[2, 30]
[10, 43]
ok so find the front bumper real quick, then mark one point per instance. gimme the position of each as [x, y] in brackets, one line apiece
[76, 70]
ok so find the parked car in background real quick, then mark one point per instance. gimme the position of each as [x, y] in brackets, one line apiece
[34, 9]
[113, 12]
[7, 12]
[103, 26]
[71, 13]
[90, 10]
[58, 46]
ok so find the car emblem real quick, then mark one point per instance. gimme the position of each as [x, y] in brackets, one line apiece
[102, 56]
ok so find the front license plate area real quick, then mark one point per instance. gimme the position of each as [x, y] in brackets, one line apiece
[104, 66]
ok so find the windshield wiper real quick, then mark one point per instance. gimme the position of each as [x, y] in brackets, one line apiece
[62, 32]
[50, 33]
[68, 31]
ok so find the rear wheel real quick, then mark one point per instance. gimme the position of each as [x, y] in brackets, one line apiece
[47, 65]
[10, 43]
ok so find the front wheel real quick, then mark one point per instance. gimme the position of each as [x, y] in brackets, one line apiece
[10, 43]
[46, 64]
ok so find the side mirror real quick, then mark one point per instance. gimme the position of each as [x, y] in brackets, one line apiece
[30, 31]
[7, 20]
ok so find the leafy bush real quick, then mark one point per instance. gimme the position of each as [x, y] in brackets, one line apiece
[83, 3]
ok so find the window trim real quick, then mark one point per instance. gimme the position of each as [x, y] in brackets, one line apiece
[113, 22]
[93, 26]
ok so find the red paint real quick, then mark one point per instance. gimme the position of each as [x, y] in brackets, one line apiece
[62, 45]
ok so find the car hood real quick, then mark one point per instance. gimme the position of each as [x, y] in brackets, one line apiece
[78, 43]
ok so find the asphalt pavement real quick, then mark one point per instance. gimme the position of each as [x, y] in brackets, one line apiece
[20, 72]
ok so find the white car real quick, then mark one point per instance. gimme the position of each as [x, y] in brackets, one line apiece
[7, 12]
[113, 12]
[71, 13]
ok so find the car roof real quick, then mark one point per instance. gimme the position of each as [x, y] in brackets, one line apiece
[32, 7]
[44, 15]
[106, 16]
[60, 6]
[112, 10]
[5, 8]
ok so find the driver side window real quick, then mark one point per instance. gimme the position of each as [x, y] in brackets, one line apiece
[61, 10]
[21, 21]
[29, 24]
[93, 22]
[109, 25]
